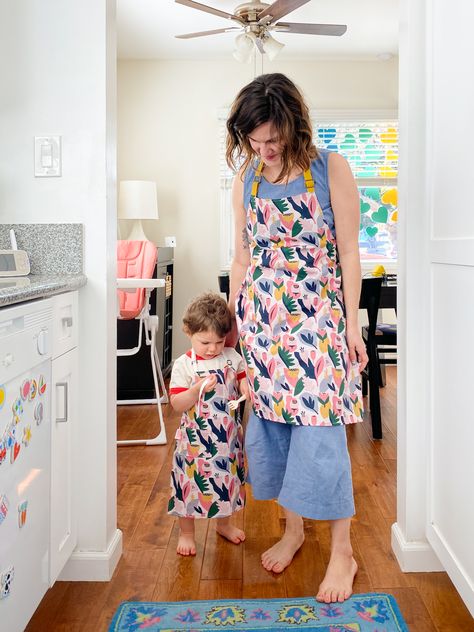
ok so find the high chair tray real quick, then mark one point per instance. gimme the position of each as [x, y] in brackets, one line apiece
[123, 284]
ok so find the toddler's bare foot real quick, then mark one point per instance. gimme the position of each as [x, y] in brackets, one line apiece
[229, 532]
[279, 556]
[337, 583]
[186, 544]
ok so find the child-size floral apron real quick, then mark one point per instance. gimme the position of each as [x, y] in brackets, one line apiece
[207, 476]
[291, 316]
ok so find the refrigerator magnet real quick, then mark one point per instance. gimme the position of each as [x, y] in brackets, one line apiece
[6, 579]
[26, 435]
[39, 412]
[22, 508]
[9, 437]
[15, 451]
[3, 395]
[4, 504]
[33, 390]
[17, 406]
[25, 389]
[41, 385]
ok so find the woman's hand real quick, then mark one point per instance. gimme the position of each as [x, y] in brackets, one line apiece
[244, 387]
[357, 350]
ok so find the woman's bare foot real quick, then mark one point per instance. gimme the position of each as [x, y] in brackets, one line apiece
[229, 532]
[279, 556]
[186, 544]
[337, 583]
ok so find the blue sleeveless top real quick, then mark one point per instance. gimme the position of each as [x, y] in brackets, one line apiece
[319, 171]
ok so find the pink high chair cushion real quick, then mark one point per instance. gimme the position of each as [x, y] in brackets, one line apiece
[135, 260]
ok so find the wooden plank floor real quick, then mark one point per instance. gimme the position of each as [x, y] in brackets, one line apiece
[150, 569]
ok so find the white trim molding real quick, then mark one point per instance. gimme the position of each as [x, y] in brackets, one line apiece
[414, 557]
[93, 566]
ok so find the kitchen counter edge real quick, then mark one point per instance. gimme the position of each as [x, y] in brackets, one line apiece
[41, 286]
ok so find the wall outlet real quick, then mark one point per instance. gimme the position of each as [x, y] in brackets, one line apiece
[170, 242]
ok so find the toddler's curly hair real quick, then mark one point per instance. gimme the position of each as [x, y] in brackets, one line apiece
[207, 312]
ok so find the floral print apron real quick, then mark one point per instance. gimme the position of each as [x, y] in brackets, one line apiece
[291, 316]
[207, 476]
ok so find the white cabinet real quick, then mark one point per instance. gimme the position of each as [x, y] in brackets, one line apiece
[64, 383]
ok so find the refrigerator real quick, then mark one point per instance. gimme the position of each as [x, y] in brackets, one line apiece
[25, 453]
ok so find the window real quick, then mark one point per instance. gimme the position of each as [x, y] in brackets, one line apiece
[370, 144]
[369, 141]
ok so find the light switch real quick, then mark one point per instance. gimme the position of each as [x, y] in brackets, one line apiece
[47, 156]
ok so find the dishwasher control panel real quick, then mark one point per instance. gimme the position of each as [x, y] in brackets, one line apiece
[25, 337]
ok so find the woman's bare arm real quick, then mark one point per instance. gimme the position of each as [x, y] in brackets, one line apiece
[346, 209]
[241, 259]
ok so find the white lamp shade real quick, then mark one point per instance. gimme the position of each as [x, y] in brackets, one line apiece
[137, 200]
[272, 47]
[244, 46]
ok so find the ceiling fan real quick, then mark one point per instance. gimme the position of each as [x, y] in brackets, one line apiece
[256, 20]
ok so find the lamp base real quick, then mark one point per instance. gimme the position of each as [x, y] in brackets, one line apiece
[137, 233]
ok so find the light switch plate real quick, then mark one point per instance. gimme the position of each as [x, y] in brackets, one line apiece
[170, 242]
[47, 156]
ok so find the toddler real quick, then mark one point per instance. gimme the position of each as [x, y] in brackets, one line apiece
[207, 476]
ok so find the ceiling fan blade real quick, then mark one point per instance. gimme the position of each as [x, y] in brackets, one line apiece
[280, 8]
[311, 29]
[201, 33]
[204, 7]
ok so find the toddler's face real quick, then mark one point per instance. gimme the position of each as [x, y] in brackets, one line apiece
[207, 344]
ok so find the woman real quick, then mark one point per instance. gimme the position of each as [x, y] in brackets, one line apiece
[298, 330]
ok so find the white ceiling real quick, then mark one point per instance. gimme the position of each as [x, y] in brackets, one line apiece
[146, 30]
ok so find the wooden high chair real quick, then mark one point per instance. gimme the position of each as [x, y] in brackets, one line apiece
[136, 262]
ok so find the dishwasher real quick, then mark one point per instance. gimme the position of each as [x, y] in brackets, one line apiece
[25, 459]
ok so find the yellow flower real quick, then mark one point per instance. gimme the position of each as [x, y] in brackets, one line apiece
[278, 291]
[357, 407]
[323, 344]
[278, 406]
[274, 348]
[190, 469]
[324, 410]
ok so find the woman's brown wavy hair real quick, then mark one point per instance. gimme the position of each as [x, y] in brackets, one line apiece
[275, 98]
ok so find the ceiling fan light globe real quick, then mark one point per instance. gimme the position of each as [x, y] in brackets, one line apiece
[244, 45]
[272, 47]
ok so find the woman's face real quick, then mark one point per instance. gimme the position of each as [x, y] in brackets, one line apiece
[266, 144]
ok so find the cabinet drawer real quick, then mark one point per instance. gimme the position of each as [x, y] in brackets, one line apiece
[65, 323]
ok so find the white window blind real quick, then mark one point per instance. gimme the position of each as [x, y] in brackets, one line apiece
[369, 141]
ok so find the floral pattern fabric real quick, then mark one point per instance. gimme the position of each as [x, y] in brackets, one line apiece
[291, 317]
[207, 477]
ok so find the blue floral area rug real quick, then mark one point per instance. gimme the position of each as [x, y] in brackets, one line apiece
[373, 612]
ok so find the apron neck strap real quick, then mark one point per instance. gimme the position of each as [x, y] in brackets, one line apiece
[308, 180]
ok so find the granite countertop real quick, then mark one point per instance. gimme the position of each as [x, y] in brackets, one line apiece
[33, 286]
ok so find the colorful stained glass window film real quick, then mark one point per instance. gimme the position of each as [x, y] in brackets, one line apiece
[370, 148]
[378, 223]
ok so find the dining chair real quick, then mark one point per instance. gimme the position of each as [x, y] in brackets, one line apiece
[370, 301]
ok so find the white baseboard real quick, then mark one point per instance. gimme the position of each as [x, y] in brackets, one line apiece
[93, 566]
[414, 557]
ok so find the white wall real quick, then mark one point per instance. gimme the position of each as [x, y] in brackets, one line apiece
[168, 132]
[435, 513]
[55, 80]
